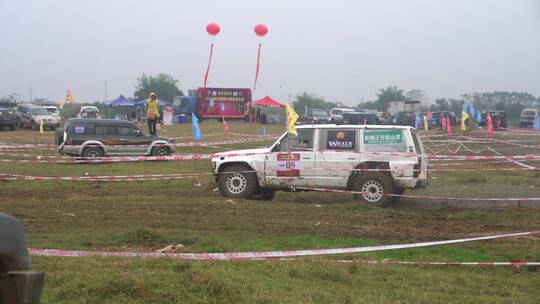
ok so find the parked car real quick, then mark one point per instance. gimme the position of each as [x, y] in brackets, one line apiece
[8, 118]
[315, 116]
[88, 112]
[336, 114]
[328, 156]
[31, 116]
[53, 110]
[436, 118]
[360, 118]
[404, 119]
[498, 118]
[106, 137]
[18, 283]
[273, 119]
[527, 117]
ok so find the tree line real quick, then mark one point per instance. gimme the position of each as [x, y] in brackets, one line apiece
[510, 102]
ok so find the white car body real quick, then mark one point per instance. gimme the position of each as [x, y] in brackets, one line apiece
[53, 110]
[320, 165]
[336, 114]
[86, 110]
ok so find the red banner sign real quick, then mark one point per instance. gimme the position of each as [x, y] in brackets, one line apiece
[223, 102]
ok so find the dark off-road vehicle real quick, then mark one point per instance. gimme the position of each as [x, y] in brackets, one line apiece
[106, 137]
[8, 118]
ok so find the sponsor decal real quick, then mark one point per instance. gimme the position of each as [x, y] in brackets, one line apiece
[79, 129]
[341, 140]
[383, 136]
[288, 165]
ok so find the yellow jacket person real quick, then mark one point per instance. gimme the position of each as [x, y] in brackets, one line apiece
[152, 107]
[152, 113]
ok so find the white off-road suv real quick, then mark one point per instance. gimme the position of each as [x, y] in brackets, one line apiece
[371, 159]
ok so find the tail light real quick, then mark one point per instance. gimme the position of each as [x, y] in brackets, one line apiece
[417, 168]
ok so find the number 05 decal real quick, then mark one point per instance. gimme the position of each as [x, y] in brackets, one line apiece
[288, 165]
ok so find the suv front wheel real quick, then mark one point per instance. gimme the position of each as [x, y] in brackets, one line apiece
[234, 181]
[375, 188]
[92, 152]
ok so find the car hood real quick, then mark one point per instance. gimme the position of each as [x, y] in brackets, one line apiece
[46, 116]
[242, 152]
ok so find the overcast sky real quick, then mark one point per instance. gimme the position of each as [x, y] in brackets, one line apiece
[341, 50]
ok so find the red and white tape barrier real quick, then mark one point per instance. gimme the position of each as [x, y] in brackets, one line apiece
[105, 178]
[264, 254]
[520, 199]
[208, 156]
[112, 159]
[485, 264]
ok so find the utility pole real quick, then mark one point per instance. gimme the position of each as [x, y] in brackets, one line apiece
[30, 89]
[105, 90]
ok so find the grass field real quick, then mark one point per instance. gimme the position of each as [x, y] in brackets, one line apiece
[148, 215]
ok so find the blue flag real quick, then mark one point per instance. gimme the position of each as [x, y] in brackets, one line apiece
[472, 110]
[478, 116]
[197, 134]
[417, 121]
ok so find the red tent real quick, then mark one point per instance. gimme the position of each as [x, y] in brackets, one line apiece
[267, 102]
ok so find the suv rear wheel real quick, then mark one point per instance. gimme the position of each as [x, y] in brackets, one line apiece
[375, 188]
[161, 151]
[235, 182]
[92, 152]
[33, 126]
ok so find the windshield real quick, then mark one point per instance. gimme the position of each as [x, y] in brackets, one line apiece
[528, 113]
[39, 111]
[90, 110]
[52, 110]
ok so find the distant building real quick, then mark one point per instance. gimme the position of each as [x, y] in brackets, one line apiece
[395, 107]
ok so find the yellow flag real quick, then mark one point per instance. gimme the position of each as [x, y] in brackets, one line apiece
[464, 117]
[41, 126]
[426, 126]
[61, 104]
[292, 117]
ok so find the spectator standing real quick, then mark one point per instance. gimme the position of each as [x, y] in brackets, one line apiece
[152, 113]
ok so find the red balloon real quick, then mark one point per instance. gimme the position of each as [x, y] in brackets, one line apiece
[213, 29]
[261, 30]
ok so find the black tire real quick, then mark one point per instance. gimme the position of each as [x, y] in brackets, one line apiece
[265, 194]
[398, 191]
[233, 182]
[13, 127]
[19, 123]
[33, 126]
[92, 152]
[59, 136]
[161, 151]
[375, 186]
